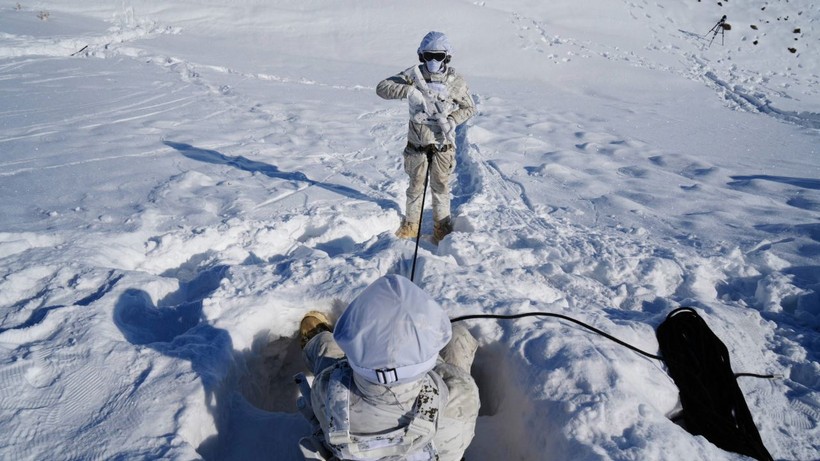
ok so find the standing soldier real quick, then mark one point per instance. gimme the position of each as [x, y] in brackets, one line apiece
[439, 100]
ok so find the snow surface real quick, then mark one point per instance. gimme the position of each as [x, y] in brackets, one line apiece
[181, 182]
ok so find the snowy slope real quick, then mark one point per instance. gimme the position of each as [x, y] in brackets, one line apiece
[180, 183]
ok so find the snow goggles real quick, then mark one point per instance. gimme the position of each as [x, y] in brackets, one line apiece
[434, 55]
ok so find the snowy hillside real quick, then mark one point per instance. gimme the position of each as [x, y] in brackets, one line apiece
[180, 184]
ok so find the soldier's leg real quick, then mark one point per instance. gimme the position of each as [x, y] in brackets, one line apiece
[415, 165]
[321, 352]
[444, 164]
[460, 351]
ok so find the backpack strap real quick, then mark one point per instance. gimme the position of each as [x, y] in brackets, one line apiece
[338, 405]
[412, 442]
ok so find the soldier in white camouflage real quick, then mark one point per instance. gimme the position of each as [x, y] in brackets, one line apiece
[392, 380]
[438, 100]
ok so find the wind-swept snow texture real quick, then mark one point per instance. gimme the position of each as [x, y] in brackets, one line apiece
[181, 181]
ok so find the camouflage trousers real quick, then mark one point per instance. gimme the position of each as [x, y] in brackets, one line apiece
[442, 167]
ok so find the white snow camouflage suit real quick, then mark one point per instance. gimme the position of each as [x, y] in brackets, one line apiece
[378, 409]
[457, 104]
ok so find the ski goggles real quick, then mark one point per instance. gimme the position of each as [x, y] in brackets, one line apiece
[434, 55]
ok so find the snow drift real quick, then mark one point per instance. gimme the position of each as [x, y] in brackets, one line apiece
[182, 182]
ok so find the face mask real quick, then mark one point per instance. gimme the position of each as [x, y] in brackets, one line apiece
[434, 66]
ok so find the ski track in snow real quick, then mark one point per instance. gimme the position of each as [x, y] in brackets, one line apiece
[202, 254]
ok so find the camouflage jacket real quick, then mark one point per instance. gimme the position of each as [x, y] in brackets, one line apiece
[376, 409]
[458, 103]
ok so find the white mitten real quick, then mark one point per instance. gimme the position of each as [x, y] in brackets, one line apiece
[416, 100]
[417, 104]
[448, 128]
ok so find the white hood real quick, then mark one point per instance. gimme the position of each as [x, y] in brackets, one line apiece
[392, 332]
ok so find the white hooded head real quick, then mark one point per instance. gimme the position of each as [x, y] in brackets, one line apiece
[435, 43]
[392, 332]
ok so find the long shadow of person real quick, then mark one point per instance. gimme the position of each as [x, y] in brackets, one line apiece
[175, 326]
[272, 171]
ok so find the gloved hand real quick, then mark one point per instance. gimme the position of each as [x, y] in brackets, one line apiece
[416, 100]
[418, 106]
[448, 128]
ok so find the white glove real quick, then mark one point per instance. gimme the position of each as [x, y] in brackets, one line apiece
[417, 104]
[447, 126]
[416, 100]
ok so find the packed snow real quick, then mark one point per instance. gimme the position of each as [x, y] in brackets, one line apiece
[180, 183]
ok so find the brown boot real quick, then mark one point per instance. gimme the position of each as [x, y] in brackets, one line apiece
[313, 323]
[441, 229]
[408, 230]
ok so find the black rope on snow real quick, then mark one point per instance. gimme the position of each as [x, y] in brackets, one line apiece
[755, 375]
[560, 316]
[588, 327]
[423, 194]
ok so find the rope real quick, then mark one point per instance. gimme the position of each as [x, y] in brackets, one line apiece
[423, 195]
[560, 316]
[588, 327]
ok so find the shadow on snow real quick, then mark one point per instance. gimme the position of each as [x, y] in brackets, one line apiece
[249, 394]
[272, 171]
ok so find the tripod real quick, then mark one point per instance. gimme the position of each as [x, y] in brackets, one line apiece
[720, 28]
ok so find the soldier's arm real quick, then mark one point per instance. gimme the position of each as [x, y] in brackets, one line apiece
[395, 87]
[464, 101]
